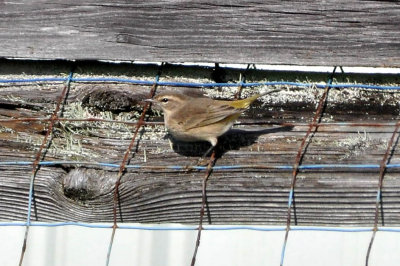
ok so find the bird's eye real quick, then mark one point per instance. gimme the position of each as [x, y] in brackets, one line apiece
[164, 100]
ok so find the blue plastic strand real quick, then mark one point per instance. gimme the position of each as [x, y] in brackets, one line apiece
[378, 196]
[206, 227]
[28, 218]
[283, 251]
[290, 200]
[218, 167]
[199, 85]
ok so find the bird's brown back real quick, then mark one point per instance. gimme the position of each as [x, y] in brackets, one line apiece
[201, 112]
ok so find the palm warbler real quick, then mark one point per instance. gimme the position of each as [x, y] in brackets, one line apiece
[189, 118]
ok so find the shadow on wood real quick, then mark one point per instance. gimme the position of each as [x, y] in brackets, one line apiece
[234, 139]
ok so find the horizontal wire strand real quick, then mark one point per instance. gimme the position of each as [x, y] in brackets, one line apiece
[205, 227]
[157, 123]
[200, 85]
[218, 167]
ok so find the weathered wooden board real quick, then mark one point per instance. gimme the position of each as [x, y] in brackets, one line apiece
[301, 32]
[254, 194]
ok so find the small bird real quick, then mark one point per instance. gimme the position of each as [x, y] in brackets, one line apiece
[193, 118]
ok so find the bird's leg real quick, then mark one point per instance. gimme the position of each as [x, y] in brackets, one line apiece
[202, 160]
[213, 141]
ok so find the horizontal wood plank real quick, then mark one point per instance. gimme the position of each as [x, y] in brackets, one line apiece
[301, 32]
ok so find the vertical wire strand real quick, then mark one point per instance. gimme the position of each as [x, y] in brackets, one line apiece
[298, 159]
[36, 163]
[122, 167]
[211, 163]
[382, 170]
[203, 205]
[241, 82]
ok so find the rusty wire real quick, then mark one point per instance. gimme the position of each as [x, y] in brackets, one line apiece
[90, 119]
[36, 166]
[122, 168]
[203, 204]
[299, 157]
[382, 171]
[156, 123]
[209, 170]
[242, 80]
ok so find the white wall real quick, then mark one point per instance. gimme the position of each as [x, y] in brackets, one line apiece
[73, 245]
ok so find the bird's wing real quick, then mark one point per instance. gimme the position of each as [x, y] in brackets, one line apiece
[208, 114]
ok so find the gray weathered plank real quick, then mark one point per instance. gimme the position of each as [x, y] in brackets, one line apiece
[338, 32]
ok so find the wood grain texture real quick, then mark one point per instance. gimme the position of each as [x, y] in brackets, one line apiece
[252, 195]
[301, 32]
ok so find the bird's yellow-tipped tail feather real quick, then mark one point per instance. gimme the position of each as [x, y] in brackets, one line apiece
[244, 103]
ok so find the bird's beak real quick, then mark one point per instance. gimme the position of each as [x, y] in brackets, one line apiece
[150, 100]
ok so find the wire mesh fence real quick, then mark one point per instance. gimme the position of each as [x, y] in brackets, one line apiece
[130, 147]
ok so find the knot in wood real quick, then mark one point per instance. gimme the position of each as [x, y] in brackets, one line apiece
[87, 184]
